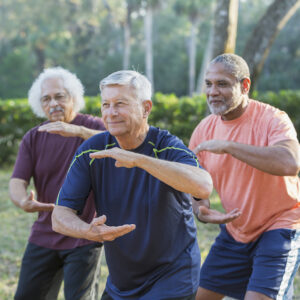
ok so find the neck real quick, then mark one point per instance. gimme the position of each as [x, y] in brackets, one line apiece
[238, 111]
[133, 140]
[71, 117]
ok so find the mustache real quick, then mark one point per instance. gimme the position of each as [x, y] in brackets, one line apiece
[56, 108]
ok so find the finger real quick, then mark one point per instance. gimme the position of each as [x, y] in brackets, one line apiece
[196, 150]
[101, 154]
[31, 195]
[99, 221]
[44, 206]
[111, 233]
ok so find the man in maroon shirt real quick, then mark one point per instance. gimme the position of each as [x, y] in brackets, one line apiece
[45, 154]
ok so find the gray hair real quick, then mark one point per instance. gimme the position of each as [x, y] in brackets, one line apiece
[137, 81]
[70, 81]
[235, 64]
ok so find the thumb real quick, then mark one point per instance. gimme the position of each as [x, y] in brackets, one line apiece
[99, 221]
[31, 195]
[203, 210]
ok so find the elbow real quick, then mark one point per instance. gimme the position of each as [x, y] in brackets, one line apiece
[292, 170]
[205, 189]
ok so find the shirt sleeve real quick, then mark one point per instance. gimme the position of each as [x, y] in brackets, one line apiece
[24, 165]
[77, 184]
[195, 140]
[175, 150]
[281, 128]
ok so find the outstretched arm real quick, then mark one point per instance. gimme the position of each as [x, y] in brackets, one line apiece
[65, 221]
[27, 202]
[281, 159]
[182, 177]
[68, 130]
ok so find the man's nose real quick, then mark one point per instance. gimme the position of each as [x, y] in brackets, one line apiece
[53, 102]
[213, 90]
[112, 110]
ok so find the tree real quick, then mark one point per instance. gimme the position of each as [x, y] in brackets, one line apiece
[150, 6]
[225, 27]
[195, 10]
[259, 43]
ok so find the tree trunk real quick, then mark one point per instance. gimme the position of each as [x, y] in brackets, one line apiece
[148, 44]
[205, 61]
[226, 18]
[127, 36]
[258, 45]
[40, 57]
[192, 56]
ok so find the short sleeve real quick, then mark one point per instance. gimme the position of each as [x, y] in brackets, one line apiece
[24, 164]
[77, 184]
[173, 149]
[195, 141]
[281, 128]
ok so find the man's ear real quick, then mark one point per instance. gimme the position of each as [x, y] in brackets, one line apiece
[245, 85]
[147, 106]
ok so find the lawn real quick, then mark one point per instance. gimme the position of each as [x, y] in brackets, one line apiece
[15, 228]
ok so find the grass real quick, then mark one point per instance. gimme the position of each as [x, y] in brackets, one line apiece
[15, 229]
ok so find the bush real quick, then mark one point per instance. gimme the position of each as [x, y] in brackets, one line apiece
[178, 115]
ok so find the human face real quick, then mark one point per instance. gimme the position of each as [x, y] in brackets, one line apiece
[56, 101]
[123, 114]
[223, 92]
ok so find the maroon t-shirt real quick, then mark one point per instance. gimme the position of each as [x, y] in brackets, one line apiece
[46, 158]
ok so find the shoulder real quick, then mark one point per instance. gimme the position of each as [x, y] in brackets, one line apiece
[165, 138]
[97, 142]
[170, 147]
[269, 114]
[33, 132]
[205, 127]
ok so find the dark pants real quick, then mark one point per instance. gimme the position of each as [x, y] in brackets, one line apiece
[105, 296]
[43, 270]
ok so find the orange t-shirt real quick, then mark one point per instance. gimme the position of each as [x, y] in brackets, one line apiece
[267, 201]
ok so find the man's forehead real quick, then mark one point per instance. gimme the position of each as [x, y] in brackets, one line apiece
[217, 72]
[52, 84]
[115, 91]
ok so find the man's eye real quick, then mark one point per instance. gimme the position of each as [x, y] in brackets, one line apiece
[208, 84]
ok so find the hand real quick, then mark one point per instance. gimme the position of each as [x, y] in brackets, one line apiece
[61, 128]
[214, 146]
[100, 232]
[30, 204]
[207, 215]
[123, 157]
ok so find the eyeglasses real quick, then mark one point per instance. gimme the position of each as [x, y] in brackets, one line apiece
[60, 97]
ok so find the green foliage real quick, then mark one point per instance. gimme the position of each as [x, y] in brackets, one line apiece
[178, 115]
[286, 100]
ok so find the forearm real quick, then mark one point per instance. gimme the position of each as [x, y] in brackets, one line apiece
[65, 221]
[18, 191]
[182, 177]
[86, 133]
[275, 160]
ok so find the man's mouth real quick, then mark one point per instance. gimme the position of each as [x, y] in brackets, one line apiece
[56, 109]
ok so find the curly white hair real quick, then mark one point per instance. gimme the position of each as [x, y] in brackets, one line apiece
[71, 83]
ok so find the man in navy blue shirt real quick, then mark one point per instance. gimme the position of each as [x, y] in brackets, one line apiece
[142, 178]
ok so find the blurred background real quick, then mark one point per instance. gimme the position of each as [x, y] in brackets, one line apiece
[170, 41]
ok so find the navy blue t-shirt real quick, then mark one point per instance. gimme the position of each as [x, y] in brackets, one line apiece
[160, 258]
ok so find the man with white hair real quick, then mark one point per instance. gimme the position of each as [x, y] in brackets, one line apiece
[45, 155]
[141, 177]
